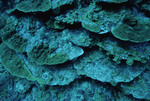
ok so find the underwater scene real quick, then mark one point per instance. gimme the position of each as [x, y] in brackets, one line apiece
[74, 50]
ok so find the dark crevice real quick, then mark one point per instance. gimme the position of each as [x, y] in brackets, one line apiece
[6, 4]
[88, 49]
[65, 8]
[19, 14]
[97, 36]
[1, 40]
[30, 89]
[25, 54]
[74, 26]
[146, 12]
[111, 6]
[45, 16]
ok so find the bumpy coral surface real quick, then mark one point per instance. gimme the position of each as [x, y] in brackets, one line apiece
[134, 29]
[32, 5]
[97, 66]
[127, 51]
[74, 50]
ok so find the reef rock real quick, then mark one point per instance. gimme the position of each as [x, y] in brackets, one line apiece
[98, 66]
[53, 75]
[140, 87]
[125, 51]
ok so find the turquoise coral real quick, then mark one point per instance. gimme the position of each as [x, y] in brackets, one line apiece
[34, 6]
[60, 50]
[15, 65]
[129, 53]
[11, 38]
[133, 28]
[42, 55]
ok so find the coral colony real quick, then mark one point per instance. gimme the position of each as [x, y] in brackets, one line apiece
[74, 50]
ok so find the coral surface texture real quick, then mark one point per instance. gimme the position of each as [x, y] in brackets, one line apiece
[74, 50]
